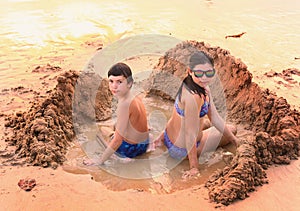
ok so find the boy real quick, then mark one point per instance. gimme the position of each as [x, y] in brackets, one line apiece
[131, 136]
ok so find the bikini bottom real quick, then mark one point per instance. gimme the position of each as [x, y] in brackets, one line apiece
[175, 151]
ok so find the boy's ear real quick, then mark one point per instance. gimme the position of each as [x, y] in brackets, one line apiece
[129, 84]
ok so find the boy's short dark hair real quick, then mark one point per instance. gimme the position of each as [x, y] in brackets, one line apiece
[121, 69]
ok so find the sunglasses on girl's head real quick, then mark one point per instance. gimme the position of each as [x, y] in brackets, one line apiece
[208, 73]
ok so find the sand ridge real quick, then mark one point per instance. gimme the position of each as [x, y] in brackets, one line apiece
[276, 125]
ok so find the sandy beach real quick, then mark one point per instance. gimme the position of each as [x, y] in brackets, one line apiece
[31, 77]
[61, 190]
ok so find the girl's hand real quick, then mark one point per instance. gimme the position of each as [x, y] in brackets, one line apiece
[235, 141]
[194, 172]
[159, 140]
[155, 143]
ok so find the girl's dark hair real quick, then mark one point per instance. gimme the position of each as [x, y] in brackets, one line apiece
[198, 57]
[121, 69]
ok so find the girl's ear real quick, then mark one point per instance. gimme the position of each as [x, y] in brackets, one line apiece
[188, 70]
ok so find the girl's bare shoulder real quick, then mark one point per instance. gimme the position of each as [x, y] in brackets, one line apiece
[190, 97]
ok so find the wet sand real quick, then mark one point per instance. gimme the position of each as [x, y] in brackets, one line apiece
[59, 190]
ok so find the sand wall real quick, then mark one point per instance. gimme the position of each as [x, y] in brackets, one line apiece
[43, 134]
[276, 125]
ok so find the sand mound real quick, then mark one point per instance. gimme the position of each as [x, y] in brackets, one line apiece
[286, 75]
[43, 134]
[90, 86]
[276, 126]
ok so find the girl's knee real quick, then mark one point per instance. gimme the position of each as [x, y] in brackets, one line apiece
[232, 128]
[206, 124]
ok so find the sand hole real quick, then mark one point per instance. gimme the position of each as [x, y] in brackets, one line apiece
[153, 172]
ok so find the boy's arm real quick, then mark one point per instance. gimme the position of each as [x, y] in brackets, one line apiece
[113, 145]
[122, 120]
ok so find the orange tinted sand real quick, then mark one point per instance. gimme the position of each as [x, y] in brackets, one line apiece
[59, 190]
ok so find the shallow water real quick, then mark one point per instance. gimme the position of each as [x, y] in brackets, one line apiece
[67, 33]
[155, 172]
[165, 182]
[271, 39]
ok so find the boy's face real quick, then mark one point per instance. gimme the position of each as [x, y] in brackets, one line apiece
[118, 85]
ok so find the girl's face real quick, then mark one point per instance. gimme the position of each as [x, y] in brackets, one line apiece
[202, 74]
[118, 85]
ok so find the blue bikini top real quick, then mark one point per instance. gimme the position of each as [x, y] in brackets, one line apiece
[203, 111]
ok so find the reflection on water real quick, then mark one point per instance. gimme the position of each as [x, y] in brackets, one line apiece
[38, 22]
[64, 32]
[272, 27]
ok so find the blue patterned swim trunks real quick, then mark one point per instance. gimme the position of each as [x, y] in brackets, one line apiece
[132, 150]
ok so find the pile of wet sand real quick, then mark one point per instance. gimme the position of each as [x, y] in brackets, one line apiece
[286, 75]
[275, 125]
[42, 134]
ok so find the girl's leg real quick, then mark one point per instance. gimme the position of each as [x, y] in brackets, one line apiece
[212, 138]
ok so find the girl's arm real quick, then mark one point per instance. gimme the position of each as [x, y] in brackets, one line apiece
[159, 140]
[192, 105]
[219, 123]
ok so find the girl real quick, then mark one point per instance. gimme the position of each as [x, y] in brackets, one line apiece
[184, 135]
